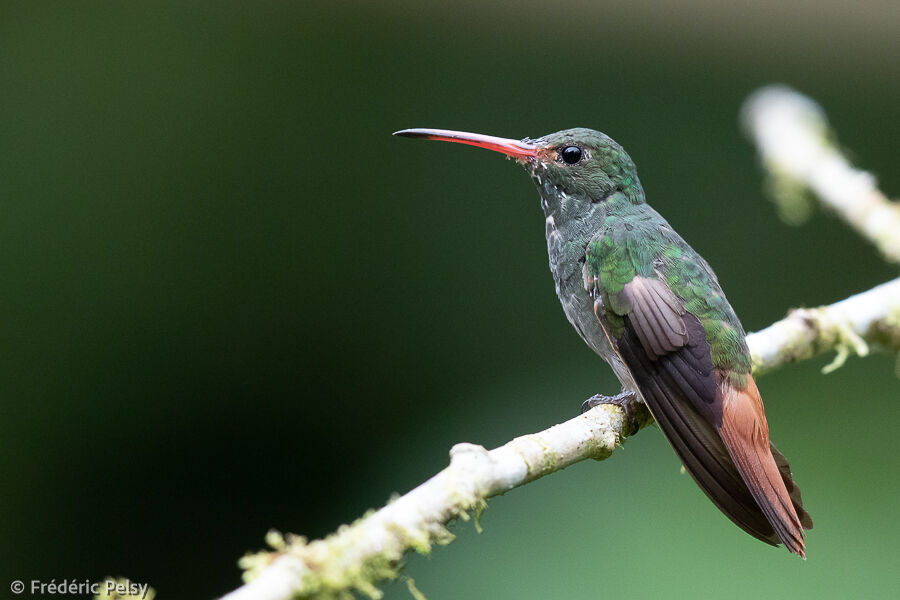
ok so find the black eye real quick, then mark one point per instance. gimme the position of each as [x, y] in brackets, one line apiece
[571, 154]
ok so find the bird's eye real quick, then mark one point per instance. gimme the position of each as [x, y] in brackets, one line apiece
[571, 154]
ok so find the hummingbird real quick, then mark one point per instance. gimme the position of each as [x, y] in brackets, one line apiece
[652, 308]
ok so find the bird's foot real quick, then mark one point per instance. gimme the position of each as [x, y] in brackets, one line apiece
[624, 400]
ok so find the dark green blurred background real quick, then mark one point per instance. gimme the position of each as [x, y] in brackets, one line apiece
[232, 301]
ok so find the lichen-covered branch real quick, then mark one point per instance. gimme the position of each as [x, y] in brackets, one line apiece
[359, 555]
[797, 149]
[871, 318]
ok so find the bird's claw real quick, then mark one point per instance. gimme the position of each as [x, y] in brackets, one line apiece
[623, 400]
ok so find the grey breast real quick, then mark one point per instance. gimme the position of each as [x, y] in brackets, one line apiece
[566, 250]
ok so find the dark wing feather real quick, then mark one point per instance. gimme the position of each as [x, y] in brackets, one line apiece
[680, 390]
[655, 315]
[674, 342]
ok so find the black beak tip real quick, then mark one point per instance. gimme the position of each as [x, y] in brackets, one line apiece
[405, 133]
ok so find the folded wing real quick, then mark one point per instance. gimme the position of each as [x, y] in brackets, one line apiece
[717, 429]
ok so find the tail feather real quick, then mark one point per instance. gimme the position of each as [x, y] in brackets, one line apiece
[792, 488]
[746, 435]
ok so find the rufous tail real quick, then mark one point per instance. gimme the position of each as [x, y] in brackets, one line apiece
[746, 435]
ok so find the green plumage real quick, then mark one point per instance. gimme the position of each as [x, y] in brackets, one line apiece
[636, 240]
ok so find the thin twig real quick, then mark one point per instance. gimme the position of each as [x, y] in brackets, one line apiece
[796, 146]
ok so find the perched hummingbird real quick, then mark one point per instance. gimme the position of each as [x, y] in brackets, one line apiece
[650, 306]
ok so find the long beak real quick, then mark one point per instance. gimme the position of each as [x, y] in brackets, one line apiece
[513, 148]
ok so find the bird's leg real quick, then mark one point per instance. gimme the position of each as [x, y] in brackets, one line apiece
[626, 400]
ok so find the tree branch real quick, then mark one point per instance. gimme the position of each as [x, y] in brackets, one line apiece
[790, 131]
[871, 318]
[367, 551]
[796, 146]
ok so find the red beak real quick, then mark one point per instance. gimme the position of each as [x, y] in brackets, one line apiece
[514, 148]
